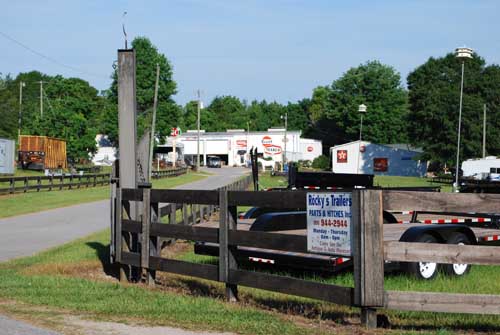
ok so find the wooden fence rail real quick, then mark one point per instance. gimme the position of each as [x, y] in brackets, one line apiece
[369, 250]
[156, 174]
[52, 183]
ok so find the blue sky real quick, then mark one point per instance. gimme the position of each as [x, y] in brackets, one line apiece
[274, 50]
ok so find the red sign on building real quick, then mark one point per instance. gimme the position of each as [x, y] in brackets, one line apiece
[380, 164]
[341, 156]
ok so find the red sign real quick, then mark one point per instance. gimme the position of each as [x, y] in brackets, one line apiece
[310, 148]
[362, 148]
[272, 149]
[380, 164]
[341, 156]
[267, 141]
[241, 143]
[174, 132]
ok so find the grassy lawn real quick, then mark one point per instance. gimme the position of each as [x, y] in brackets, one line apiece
[50, 279]
[23, 203]
[267, 181]
[72, 278]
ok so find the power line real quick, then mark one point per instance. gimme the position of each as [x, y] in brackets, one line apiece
[50, 59]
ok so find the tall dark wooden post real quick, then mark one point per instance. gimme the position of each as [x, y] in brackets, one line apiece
[127, 133]
[368, 254]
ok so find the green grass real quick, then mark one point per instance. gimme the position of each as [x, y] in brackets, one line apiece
[23, 203]
[112, 300]
[397, 181]
[480, 280]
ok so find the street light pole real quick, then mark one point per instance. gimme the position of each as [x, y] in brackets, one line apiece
[462, 54]
[198, 132]
[361, 110]
[285, 139]
[21, 85]
[484, 130]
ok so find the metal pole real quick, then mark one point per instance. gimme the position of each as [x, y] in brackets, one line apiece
[153, 125]
[198, 133]
[484, 130]
[360, 137]
[459, 126]
[286, 140]
[21, 84]
[41, 99]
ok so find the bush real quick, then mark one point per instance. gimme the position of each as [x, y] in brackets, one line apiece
[322, 162]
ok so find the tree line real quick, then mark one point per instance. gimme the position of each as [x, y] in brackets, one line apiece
[424, 114]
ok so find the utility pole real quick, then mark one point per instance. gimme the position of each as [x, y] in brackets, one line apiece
[153, 124]
[198, 107]
[21, 85]
[285, 139]
[484, 130]
[41, 99]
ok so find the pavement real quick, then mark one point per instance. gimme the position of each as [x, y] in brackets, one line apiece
[28, 234]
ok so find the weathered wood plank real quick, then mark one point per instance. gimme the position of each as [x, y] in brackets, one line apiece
[131, 258]
[368, 249]
[131, 194]
[443, 302]
[205, 271]
[441, 253]
[444, 202]
[265, 240]
[185, 196]
[179, 231]
[287, 285]
[223, 237]
[131, 226]
[146, 221]
[281, 199]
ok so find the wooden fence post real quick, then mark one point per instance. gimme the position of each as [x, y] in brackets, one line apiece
[226, 259]
[154, 242]
[38, 183]
[185, 216]
[25, 184]
[368, 254]
[12, 185]
[146, 224]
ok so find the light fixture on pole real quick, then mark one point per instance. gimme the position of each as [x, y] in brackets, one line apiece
[285, 117]
[462, 54]
[198, 110]
[361, 110]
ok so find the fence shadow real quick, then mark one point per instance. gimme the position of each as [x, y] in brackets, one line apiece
[102, 251]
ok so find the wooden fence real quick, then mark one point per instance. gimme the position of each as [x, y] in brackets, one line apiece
[156, 174]
[369, 249]
[51, 183]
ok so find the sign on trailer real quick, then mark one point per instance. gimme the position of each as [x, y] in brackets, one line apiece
[329, 223]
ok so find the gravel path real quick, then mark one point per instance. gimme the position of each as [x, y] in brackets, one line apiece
[28, 234]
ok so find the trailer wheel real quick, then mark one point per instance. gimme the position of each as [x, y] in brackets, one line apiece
[457, 269]
[423, 270]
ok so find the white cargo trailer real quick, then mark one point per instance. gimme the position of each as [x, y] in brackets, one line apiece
[482, 168]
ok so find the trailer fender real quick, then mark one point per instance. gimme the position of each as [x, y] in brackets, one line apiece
[280, 221]
[442, 233]
[389, 217]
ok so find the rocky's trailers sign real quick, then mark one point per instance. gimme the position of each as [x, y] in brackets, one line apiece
[269, 147]
[329, 223]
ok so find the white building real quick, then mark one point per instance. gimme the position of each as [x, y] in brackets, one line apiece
[378, 159]
[233, 146]
[106, 153]
[7, 156]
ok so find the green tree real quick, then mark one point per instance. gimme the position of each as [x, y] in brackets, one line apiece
[168, 113]
[434, 94]
[377, 86]
[224, 112]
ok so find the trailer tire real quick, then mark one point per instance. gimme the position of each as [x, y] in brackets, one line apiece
[457, 269]
[423, 270]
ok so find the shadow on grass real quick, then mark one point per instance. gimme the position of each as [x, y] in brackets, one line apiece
[102, 251]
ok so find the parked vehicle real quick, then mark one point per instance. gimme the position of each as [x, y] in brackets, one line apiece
[452, 231]
[41, 152]
[213, 162]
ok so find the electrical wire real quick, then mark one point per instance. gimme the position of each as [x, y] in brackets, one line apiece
[50, 59]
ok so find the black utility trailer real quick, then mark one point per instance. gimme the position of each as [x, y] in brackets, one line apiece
[466, 228]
